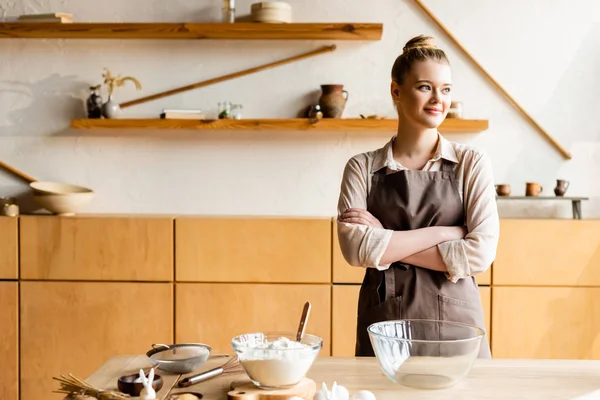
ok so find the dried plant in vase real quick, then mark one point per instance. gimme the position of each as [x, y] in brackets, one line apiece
[111, 108]
[74, 387]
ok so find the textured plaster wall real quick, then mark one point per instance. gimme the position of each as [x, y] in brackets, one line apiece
[546, 53]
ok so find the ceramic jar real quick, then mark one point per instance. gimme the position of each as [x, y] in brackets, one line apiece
[333, 100]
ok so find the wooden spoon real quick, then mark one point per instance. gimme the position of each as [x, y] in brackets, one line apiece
[303, 319]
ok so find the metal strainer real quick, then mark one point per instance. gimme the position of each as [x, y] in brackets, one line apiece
[179, 358]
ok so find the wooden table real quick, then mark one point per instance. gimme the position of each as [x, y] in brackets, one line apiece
[489, 379]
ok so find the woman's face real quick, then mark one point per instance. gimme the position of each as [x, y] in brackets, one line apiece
[425, 95]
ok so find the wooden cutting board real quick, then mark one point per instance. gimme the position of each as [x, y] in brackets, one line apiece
[245, 390]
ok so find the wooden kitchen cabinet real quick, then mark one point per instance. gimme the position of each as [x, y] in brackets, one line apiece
[345, 273]
[97, 248]
[214, 313]
[9, 248]
[548, 253]
[75, 326]
[9, 345]
[546, 322]
[344, 311]
[258, 250]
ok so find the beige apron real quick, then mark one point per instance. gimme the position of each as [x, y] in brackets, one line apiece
[407, 200]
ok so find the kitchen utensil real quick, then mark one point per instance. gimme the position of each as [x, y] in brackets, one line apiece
[305, 389]
[425, 354]
[275, 360]
[179, 358]
[512, 101]
[303, 319]
[127, 384]
[533, 189]
[325, 49]
[232, 366]
[59, 198]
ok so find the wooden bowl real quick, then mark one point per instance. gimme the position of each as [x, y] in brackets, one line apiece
[127, 385]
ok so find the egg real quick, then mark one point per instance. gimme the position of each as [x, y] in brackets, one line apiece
[363, 395]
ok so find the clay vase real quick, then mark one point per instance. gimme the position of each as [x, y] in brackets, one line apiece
[561, 187]
[533, 189]
[503, 190]
[333, 100]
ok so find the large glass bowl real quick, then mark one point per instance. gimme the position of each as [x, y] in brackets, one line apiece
[425, 354]
[276, 368]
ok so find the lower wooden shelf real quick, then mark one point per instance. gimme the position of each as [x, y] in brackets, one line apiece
[453, 125]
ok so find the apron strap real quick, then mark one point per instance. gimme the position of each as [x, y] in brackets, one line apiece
[390, 283]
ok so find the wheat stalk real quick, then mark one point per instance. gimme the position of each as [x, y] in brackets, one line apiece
[74, 386]
[117, 81]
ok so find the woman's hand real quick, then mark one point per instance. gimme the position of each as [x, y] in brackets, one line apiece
[359, 216]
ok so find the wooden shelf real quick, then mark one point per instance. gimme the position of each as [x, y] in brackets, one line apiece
[178, 30]
[454, 125]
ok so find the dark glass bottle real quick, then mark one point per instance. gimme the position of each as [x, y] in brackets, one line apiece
[94, 103]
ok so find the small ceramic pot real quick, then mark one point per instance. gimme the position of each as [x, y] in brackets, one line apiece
[561, 187]
[503, 190]
[127, 384]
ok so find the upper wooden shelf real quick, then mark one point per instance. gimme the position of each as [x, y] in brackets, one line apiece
[450, 125]
[178, 30]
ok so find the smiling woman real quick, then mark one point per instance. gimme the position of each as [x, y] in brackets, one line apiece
[419, 213]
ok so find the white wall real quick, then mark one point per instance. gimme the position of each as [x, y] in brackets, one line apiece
[546, 53]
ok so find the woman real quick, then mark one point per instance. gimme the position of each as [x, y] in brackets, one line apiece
[420, 213]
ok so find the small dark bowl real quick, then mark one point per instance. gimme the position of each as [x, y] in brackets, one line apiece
[127, 385]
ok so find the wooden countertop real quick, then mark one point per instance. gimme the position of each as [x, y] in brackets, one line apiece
[489, 379]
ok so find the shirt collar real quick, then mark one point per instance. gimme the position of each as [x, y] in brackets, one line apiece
[385, 155]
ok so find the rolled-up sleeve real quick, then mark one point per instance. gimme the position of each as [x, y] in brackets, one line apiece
[475, 253]
[361, 246]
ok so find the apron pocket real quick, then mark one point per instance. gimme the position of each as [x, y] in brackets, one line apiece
[385, 311]
[455, 310]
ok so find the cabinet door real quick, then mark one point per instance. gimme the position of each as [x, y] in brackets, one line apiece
[257, 250]
[9, 248]
[215, 313]
[548, 253]
[9, 345]
[97, 248]
[546, 322]
[344, 311]
[345, 273]
[76, 326]
[343, 320]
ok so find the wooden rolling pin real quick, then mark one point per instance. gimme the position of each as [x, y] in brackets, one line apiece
[212, 81]
[18, 173]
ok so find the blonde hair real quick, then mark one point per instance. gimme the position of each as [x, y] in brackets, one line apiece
[419, 48]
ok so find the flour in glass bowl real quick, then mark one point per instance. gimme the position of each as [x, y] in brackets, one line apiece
[276, 362]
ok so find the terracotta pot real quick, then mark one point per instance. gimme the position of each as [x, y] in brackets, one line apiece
[561, 187]
[333, 100]
[503, 190]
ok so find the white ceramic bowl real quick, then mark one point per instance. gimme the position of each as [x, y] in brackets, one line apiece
[276, 368]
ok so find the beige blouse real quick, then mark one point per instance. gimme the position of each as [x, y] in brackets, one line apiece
[363, 246]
